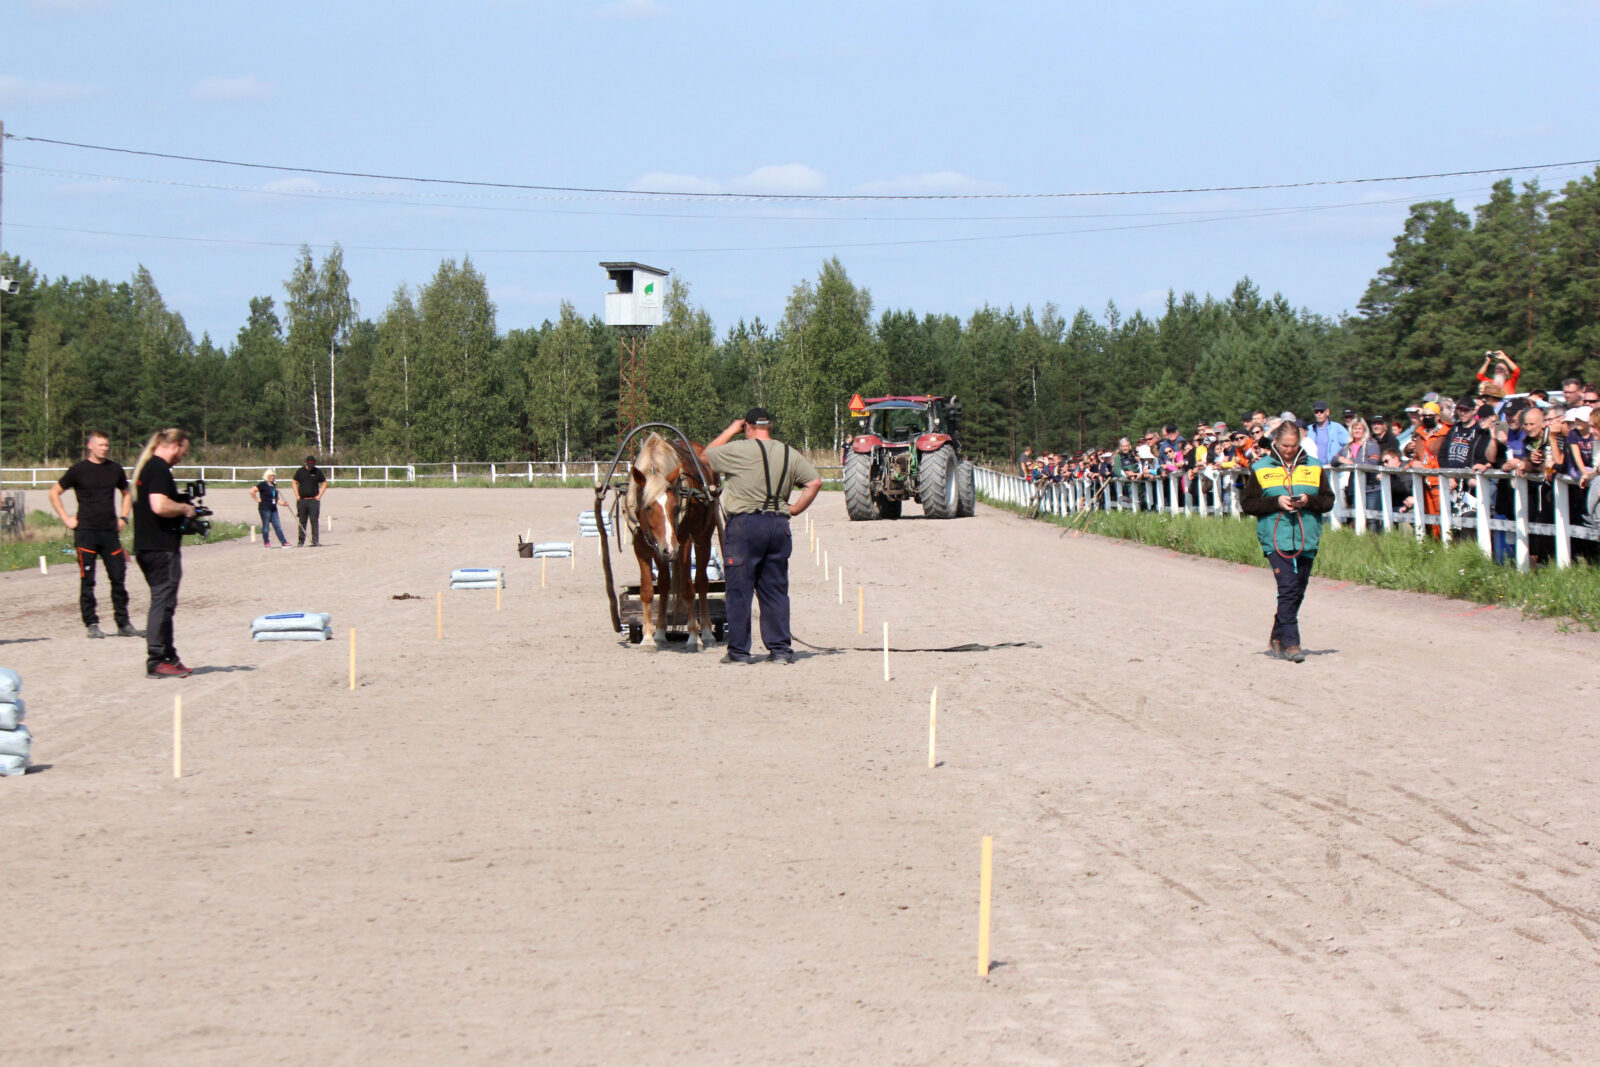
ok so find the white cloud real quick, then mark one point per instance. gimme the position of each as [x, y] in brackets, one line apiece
[15, 90]
[630, 11]
[779, 179]
[229, 90]
[930, 183]
[783, 178]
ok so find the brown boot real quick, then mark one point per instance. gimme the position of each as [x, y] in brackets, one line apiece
[1294, 654]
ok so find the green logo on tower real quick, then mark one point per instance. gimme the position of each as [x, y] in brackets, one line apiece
[650, 287]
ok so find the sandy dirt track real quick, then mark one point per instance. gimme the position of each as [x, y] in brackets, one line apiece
[531, 843]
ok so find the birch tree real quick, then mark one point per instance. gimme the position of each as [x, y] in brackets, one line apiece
[320, 313]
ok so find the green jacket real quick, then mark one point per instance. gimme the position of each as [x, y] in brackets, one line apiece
[1290, 532]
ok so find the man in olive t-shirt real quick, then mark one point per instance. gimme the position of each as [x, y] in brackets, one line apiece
[757, 475]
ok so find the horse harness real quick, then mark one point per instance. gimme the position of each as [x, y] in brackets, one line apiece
[684, 494]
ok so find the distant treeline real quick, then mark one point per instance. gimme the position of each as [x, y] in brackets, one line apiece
[432, 378]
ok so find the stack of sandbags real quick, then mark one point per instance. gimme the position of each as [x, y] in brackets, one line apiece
[477, 578]
[15, 740]
[293, 626]
[589, 526]
[552, 550]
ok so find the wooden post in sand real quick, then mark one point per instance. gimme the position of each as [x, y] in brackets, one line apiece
[886, 652]
[841, 586]
[352, 659]
[177, 736]
[544, 567]
[985, 889]
[497, 598]
[824, 566]
[44, 568]
[861, 609]
[933, 724]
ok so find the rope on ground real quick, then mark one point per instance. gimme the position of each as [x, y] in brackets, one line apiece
[969, 647]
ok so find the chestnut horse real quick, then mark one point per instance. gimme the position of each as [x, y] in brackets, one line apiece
[670, 512]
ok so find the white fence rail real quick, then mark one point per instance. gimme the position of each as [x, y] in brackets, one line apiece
[366, 475]
[1558, 510]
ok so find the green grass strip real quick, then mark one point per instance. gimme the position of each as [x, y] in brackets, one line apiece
[1394, 560]
[47, 537]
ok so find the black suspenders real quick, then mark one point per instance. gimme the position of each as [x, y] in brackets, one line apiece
[774, 502]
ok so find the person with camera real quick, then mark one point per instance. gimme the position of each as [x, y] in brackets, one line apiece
[1288, 492]
[160, 515]
[95, 528]
[309, 485]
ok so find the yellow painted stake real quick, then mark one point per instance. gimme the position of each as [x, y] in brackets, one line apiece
[352, 659]
[177, 737]
[886, 652]
[841, 586]
[933, 723]
[861, 609]
[572, 558]
[824, 566]
[497, 598]
[544, 567]
[985, 889]
[438, 616]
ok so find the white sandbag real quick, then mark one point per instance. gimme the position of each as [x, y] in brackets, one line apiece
[11, 714]
[293, 635]
[292, 620]
[15, 742]
[478, 585]
[560, 549]
[10, 765]
[10, 698]
[10, 681]
[474, 574]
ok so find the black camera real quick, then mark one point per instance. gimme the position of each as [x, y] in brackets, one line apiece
[198, 524]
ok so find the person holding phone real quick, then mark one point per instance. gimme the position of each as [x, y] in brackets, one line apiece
[1288, 492]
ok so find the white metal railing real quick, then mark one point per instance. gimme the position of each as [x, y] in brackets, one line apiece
[363, 475]
[1461, 506]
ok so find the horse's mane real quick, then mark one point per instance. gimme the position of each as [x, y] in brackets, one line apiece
[657, 460]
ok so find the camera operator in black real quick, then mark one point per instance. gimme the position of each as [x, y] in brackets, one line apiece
[158, 519]
[95, 481]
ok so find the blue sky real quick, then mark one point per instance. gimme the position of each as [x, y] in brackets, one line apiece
[825, 97]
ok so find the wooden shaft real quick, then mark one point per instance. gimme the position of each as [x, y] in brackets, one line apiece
[985, 890]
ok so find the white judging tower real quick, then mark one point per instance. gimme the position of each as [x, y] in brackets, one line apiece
[633, 308]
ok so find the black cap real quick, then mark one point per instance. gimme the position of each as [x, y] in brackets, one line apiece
[1170, 427]
[311, 460]
[1320, 405]
[1379, 417]
[1485, 411]
[758, 417]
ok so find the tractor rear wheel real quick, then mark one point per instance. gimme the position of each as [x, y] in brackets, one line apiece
[936, 483]
[858, 487]
[966, 490]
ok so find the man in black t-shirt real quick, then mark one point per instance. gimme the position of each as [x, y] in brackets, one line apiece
[158, 517]
[96, 481]
[309, 485]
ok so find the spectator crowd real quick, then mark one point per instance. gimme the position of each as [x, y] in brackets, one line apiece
[1540, 435]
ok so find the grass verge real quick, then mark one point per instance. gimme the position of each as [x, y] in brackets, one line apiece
[46, 536]
[1393, 560]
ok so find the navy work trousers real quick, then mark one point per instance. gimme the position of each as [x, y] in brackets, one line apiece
[1293, 574]
[758, 548]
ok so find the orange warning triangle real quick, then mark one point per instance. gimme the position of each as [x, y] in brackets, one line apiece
[857, 405]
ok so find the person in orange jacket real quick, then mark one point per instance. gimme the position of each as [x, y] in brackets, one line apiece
[1426, 443]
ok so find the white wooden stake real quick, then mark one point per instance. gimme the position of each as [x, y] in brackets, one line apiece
[886, 652]
[177, 736]
[44, 568]
[933, 724]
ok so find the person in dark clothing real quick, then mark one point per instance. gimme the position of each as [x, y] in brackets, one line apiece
[757, 475]
[95, 528]
[1288, 492]
[1383, 433]
[309, 485]
[158, 516]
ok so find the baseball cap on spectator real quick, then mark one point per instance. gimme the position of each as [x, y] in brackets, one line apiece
[1485, 411]
[1320, 405]
[758, 417]
[1430, 398]
[1375, 419]
[1579, 414]
[1287, 416]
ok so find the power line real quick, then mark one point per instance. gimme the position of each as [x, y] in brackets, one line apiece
[790, 197]
[679, 251]
[436, 200]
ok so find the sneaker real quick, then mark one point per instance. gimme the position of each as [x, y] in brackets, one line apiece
[168, 670]
[1294, 654]
[126, 630]
[1275, 648]
[729, 657]
[95, 631]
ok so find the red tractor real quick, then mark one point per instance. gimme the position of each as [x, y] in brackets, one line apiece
[907, 447]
